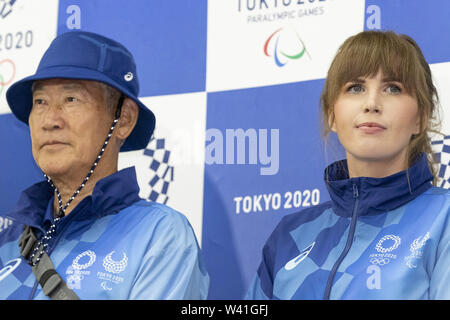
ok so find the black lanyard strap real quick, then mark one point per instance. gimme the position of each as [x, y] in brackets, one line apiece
[51, 282]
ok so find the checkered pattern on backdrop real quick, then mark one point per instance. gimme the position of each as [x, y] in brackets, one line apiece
[163, 171]
[442, 154]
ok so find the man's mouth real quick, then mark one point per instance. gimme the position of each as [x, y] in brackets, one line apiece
[53, 144]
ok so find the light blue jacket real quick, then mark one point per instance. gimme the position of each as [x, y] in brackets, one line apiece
[113, 245]
[381, 238]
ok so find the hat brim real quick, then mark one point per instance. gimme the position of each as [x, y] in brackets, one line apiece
[20, 100]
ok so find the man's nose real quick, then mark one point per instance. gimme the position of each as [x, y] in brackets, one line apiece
[53, 118]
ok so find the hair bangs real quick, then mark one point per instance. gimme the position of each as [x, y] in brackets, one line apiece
[364, 56]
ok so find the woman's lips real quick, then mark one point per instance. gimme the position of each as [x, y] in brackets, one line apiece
[371, 127]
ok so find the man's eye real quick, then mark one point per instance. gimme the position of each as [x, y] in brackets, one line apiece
[355, 88]
[39, 101]
[71, 99]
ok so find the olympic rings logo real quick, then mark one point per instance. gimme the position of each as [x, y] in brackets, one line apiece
[7, 73]
[380, 261]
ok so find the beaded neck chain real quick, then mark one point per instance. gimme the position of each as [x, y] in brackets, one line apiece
[42, 244]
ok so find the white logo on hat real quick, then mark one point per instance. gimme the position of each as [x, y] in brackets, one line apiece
[129, 76]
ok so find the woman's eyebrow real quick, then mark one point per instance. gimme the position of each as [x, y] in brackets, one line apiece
[390, 79]
[357, 80]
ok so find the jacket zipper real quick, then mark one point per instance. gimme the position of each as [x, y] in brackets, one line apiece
[348, 245]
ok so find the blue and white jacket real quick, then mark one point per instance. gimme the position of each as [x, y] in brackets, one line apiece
[113, 245]
[377, 238]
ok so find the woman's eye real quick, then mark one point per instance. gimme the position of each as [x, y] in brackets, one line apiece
[394, 89]
[355, 88]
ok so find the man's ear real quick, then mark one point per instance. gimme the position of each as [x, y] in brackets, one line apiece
[127, 120]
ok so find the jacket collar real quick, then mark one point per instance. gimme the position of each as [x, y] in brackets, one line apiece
[110, 195]
[376, 195]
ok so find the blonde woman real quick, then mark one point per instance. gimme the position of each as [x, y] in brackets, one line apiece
[385, 232]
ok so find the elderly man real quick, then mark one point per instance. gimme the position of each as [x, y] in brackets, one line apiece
[84, 232]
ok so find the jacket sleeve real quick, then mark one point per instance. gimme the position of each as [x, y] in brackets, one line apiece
[172, 267]
[261, 287]
[440, 277]
[255, 291]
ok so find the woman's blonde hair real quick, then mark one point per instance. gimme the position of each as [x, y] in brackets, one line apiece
[400, 59]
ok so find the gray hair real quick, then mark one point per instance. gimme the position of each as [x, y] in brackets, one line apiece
[112, 96]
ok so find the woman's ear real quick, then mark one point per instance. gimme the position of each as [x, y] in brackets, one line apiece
[331, 122]
[417, 127]
[128, 119]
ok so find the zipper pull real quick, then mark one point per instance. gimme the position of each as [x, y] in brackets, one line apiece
[355, 191]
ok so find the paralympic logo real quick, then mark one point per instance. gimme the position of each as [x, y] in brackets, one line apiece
[281, 58]
[7, 73]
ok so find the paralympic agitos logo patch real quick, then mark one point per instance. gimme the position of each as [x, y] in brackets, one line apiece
[284, 46]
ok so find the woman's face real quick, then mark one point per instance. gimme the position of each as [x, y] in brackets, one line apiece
[374, 119]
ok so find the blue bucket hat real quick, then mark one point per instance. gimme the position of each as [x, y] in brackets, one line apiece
[87, 56]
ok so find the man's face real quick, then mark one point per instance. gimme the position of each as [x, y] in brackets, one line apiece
[69, 122]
